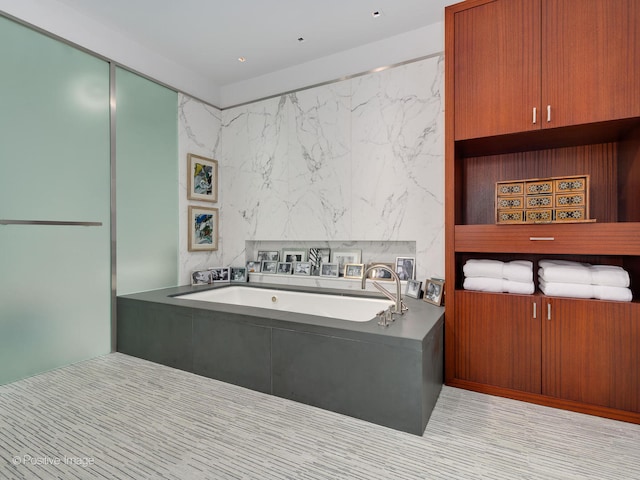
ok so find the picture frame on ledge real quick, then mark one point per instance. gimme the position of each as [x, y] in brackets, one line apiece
[413, 288]
[343, 257]
[302, 268]
[220, 274]
[253, 266]
[203, 229]
[329, 270]
[239, 275]
[433, 291]
[406, 267]
[354, 270]
[293, 255]
[380, 274]
[269, 266]
[285, 268]
[201, 277]
[272, 256]
[202, 178]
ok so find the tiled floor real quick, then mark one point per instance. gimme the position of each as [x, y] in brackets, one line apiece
[121, 417]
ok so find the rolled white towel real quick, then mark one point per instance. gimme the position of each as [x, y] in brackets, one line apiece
[564, 271]
[563, 289]
[609, 275]
[620, 294]
[516, 270]
[497, 285]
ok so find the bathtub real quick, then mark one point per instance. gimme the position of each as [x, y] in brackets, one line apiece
[354, 309]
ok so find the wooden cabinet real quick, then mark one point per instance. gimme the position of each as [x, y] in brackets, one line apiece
[591, 352]
[526, 65]
[503, 59]
[498, 340]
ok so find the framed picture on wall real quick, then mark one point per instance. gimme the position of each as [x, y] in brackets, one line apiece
[203, 229]
[202, 178]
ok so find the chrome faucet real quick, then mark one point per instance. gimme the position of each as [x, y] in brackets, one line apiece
[399, 307]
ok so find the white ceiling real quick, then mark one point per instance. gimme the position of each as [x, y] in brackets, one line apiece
[194, 45]
[208, 36]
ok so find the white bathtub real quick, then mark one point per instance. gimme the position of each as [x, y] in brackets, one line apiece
[355, 309]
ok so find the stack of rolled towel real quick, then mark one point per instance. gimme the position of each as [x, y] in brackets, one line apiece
[562, 278]
[496, 276]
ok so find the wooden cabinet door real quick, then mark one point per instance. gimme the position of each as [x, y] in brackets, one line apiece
[497, 68]
[591, 352]
[498, 340]
[590, 60]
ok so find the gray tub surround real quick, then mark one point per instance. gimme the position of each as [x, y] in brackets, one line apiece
[389, 376]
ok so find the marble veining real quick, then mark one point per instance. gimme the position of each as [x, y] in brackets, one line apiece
[361, 159]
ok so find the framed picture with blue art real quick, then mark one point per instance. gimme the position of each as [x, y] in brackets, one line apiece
[202, 178]
[203, 229]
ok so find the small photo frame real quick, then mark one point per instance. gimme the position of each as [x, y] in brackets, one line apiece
[202, 178]
[239, 275]
[380, 274]
[220, 274]
[272, 256]
[413, 288]
[353, 270]
[343, 257]
[292, 256]
[406, 267]
[329, 269]
[285, 268]
[269, 266]
[253, 266]
[201, 277]
[433, 290]
[302, 268]
[203, 229]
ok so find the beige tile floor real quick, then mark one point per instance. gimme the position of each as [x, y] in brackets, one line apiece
[119, 417]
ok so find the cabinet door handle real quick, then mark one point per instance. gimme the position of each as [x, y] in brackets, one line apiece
[535, 115]
[548, 113]
[548, 311]
[542, 239]
[534, 310]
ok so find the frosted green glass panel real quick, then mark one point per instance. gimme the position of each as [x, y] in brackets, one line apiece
[54, 165]
[147, 184]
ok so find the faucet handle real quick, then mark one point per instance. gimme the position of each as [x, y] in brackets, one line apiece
[383, 319]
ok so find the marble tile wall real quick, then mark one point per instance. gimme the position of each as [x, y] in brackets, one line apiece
[357, 160]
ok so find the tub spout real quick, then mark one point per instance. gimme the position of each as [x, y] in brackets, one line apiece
[399, 307]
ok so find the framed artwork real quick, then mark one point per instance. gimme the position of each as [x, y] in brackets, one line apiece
[433, 290]
[290, 255]
[379, 273]
[220, 274]
[343, 257]
[203, 229]
[285, 268]
[201, 277]
[413, 288]
[202, 178]
[329, 269]
[353, 270]
[302, 268]
[239, 275]
[272, 256]
[269, 266]
[405, 267]
[253, 266]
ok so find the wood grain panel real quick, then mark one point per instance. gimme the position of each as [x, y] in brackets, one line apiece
[498, 340]
[497, 68]
[590, 352]
[591, 60]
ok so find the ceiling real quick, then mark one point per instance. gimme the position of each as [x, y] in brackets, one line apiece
[208, 36]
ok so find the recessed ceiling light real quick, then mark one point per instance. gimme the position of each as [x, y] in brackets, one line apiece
[376, 13]
[242, 59]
